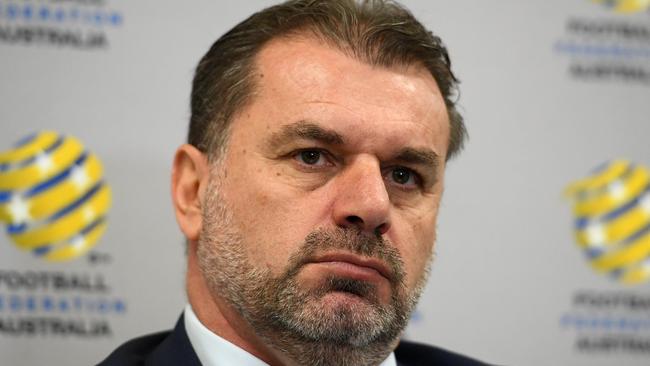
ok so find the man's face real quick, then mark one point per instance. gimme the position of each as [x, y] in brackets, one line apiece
[323, 209]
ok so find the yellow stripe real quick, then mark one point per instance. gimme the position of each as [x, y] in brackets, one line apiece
[31, 175]
[630, 255]
[631, 6]
[603, 203]
[626, 225]
[613, 171]
[70, 251]
[595, 206]
[637, 182]
[41, 142]
[4, 213]
[67, 225]
[620, 229]
[635, 276]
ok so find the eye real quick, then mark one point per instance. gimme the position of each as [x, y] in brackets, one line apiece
[311, 157]
[404, 177]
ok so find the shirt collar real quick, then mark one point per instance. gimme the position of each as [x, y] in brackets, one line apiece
[213, 350]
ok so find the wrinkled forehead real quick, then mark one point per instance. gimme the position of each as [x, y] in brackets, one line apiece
[302, 78]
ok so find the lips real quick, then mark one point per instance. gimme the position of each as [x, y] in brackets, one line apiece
[354, 263]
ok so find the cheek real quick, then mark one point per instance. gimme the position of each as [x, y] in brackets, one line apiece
[273, 218]
[416, 245]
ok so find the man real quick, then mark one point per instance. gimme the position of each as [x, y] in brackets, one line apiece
[309, 189]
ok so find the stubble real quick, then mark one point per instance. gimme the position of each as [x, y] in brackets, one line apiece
[291, 318]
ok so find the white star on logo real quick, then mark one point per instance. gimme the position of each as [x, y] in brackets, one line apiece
[79, 177]
[644, 203]
[89, 213]
[595, 234]
[19, 210]
[44, 163]
[617, 190]
[78, 242]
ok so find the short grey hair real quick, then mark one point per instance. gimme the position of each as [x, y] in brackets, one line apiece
[378, 32]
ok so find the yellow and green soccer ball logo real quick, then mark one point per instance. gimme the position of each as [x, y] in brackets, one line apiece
[53, 197]
[612, 220]
[625, 6]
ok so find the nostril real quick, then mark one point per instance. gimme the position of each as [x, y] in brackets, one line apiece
[381, 229]
[356, 220]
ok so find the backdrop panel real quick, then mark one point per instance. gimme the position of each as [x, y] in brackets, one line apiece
[531, 267]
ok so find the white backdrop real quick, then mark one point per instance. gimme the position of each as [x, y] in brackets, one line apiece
[550, 89]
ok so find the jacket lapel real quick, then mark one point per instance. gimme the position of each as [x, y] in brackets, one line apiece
[175, 350]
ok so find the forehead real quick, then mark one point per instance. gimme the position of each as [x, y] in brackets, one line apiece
[301, 78]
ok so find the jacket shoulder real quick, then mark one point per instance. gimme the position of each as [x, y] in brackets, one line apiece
[170, 348]
[417, 354]
[135, 351]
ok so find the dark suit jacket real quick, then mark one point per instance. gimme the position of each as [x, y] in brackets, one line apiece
[173, 348]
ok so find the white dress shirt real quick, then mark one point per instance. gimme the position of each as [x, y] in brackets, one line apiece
[213, 350]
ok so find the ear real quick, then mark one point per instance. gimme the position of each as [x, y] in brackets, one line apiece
[190, 174]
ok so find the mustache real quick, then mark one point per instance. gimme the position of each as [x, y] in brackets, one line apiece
[352, 240]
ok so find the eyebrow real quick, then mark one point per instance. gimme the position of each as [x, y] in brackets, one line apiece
[311, 131]
[425, 157]
[305, 130]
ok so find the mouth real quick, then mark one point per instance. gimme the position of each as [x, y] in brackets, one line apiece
[354, 266]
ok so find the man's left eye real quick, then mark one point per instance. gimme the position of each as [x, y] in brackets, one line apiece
[404, 177]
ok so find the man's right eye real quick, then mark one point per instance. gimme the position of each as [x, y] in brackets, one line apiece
[313, 158]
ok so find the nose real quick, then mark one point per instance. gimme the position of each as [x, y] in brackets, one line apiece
[362, 200]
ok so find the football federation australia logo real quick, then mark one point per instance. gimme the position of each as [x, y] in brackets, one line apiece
[53, 197]
[625, 6]
[612, 220]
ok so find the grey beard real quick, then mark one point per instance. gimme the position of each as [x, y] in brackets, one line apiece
[291, 319]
